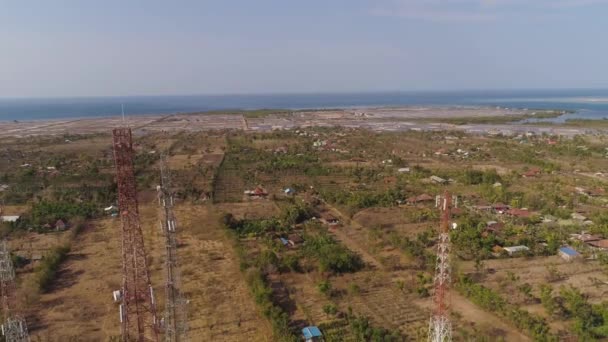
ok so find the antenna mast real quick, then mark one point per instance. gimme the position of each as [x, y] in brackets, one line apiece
[137, 308]
[14, 328]
[440, 327]
[175, 319]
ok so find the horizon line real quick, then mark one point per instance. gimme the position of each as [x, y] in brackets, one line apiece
[354, 92]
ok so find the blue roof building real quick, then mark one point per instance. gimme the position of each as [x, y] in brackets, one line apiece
[312, 333]
[568, 253]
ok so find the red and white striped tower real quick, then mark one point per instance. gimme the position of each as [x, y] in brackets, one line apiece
[440, 327]
[137, 309]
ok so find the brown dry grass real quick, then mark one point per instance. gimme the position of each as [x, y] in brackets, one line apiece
[80, 302]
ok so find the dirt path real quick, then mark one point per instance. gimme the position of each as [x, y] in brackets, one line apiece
[474, 314]
[341, 235]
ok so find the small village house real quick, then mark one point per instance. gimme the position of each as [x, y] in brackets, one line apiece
[312, 334]
[598, 244]
[10, 218]
[568, 253]
[329, 219]
[438, 180]
[514, 250]
[60, 225]
[420, 199]
[294, 239]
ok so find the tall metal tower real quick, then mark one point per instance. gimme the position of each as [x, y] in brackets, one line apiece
[440, 327]
[175, 319]
[14, 328]
[137, 308]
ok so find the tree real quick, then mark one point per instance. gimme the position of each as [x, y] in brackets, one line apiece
[547, 300]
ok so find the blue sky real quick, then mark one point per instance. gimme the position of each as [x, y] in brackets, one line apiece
[104, 48]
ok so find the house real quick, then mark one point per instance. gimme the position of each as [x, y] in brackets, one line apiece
[533, 172]
[312, 333]
[568, 253]
[596, 192]
[110, 209]
[438, 180]
[497, 250]
[3, 187]
[281, 149]
[284, 241]
[403, 170]
[420, 199]
[60, 225]
[295, 239]
[513, 250]
[258, 192]
[585, 237]
[10, 218]
[483, 207]
[329, 219]
[500, 207]
[578, 217]
[289, 191]
[494, 226]
[518, 213]
[599, 244]
[456, 211]
[549, 218]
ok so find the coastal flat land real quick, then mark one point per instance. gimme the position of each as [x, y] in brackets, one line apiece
[465, 119]
[332, 225]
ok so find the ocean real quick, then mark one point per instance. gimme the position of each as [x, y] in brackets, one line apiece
[586, 104]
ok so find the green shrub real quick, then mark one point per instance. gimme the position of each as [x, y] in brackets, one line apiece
[47, 270]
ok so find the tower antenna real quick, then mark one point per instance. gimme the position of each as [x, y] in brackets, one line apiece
[440, 327]
[137, 308]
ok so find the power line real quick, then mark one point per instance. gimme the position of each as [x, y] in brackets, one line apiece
[175, 319]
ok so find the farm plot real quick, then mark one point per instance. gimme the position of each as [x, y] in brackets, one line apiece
[93, 266]
[221, 307]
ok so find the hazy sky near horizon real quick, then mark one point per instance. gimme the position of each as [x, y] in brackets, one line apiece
[105, 48]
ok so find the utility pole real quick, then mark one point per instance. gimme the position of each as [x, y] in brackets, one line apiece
[14, 328]
[440, 327]
[175, 319]
[137, 308]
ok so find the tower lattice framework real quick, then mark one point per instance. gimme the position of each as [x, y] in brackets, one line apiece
[14, 328]
[440, 327]
[137, 308]
[175, 318]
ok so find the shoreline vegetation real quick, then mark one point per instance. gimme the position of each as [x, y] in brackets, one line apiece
[496, 119]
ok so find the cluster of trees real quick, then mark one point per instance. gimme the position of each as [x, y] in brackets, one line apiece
[262, 294]
[473, 177]
[304, 163]
[469, 242]
[46, 271]
[331, 255]
[590, 320]
[486, 298]
[415, 249]
[357, 200]
[290, 215]
[49, 212]
[257, 282]
[251, 227]
[356, 328]
[362, 329]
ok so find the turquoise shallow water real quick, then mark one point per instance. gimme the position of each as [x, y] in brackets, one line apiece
[586, 103]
